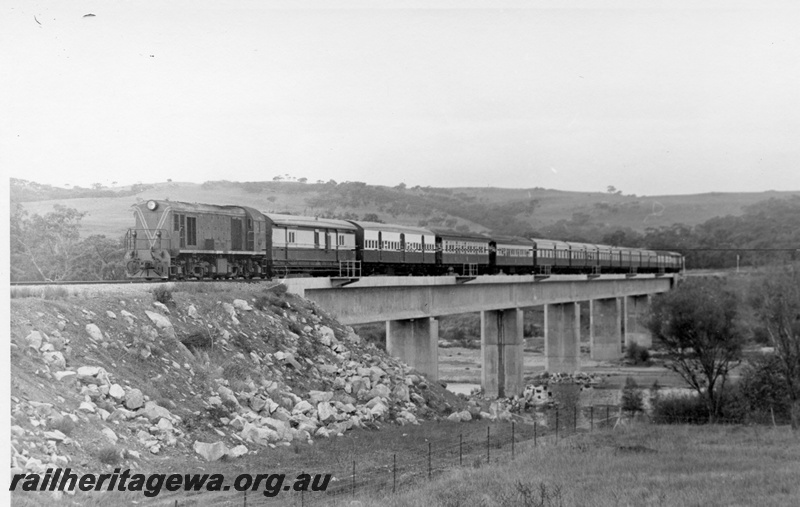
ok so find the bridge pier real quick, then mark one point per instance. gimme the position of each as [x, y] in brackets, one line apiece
[415, 342]
[502, 352]
[562, 337]
[605, 329]
[635, 312]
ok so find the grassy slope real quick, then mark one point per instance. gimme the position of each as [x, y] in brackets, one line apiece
[112, 216]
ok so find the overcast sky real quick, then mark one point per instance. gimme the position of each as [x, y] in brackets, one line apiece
[651, 97]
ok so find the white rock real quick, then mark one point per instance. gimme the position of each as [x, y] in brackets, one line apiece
[94, 332]
[134, 399]
[239, 450]
[88, 371]
[325, 411]
[302, 407]
[110, 314]
[192, 312]
[55, 359]
[34, 340]
[87, 406]
[54, 435]
[241, 304]
[159, 320]
[161, 306]
[116, 391]
[110, 435]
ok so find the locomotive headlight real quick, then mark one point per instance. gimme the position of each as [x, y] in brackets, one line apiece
[152, 205]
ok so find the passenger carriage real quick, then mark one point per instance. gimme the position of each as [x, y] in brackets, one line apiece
[311, 245]
[511, 255]
[463, 253]
[394, 249]
[550, 256]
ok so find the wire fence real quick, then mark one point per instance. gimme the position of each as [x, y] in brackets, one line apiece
[406, 470]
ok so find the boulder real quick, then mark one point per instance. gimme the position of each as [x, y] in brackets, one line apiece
[94, 332]
[210, 452]
[161, 306]
[55, 359]
[110, 314]
[239, 450]
[134, 399]
[160, 321]
[241, 304]
[153, 411]
[34, 340]
[302, 407]
[325, 411]
[116, 391]
[327, 336]
[110, 435]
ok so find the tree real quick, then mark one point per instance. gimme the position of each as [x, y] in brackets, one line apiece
[372, 217]
[697, 325]
[776, 300]
[99, 258]
[45, 247]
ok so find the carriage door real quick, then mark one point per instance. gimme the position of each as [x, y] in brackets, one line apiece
[380, 245]
[402, 247]
[327, 240]
[179, 226]
[236, 233]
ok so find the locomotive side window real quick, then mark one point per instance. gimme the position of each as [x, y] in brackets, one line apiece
[191, 231]
[176, 222]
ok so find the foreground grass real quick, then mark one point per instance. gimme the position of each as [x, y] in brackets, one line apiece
[642, 465]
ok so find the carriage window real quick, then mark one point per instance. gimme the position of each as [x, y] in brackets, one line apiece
[191, 231]
[341, 239]
[291, 237]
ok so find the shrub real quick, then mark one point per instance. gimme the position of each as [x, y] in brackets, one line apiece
[198, 340]
[279, 289]
[163, 295]
[632, 397]
[637, 354]
[109, 455]
[763, 390]
[63, 424]
[687, 409]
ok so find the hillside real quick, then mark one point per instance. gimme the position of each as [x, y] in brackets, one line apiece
[513, 211]
[104, 379]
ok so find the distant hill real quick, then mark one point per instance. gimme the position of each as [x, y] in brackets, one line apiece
[498, 210]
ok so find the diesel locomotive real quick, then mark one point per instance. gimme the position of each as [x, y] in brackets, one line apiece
[178, 240]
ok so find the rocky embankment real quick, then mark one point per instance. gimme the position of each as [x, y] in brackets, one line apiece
[130, 379]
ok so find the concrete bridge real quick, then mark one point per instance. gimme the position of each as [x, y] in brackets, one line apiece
[410, 307]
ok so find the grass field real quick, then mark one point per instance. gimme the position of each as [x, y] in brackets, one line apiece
[639, 465]
[636, 464]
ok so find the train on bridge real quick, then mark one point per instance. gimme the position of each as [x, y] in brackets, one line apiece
[178, 240]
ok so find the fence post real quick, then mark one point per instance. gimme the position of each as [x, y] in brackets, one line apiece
[488, 428]
[354, 477]
[460, 449]
[575, 419]
[534, 432]
[394, 473]
[429, 461]
[591, 418]
[512, 439]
